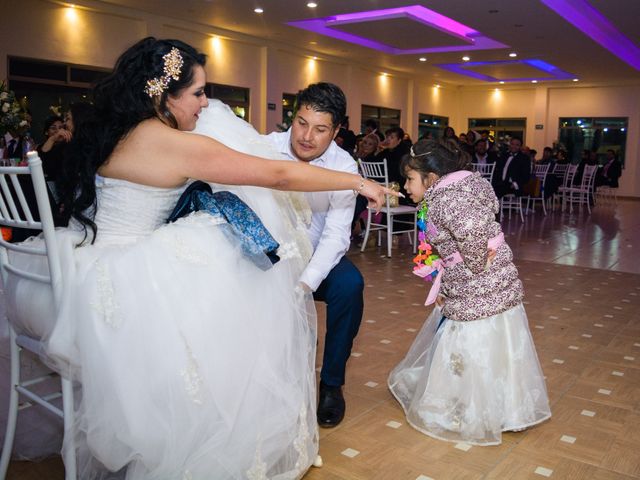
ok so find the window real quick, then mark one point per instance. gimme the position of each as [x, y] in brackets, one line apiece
[501, 129]
[595, 134]
[431, 125]
[386, 117]
[236, 97]
[49, 84]
[288, 104]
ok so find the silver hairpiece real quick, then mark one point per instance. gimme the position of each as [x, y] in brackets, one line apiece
[172, 68]
[413, 154]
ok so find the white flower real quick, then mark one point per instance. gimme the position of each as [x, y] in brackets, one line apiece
[5, 107]
[4, 96]
[23, 123]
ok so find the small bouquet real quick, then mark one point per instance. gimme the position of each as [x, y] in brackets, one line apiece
[394, 201]
[13, 113]
[426, 262]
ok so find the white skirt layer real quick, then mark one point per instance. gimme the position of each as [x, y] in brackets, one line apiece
[471, 381]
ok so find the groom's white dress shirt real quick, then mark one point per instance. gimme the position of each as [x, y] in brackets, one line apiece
[332, 212]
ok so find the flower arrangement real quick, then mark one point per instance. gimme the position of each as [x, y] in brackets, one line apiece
[424, 261]
[13, 113]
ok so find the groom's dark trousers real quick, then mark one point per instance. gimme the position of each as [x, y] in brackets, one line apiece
[342, 291]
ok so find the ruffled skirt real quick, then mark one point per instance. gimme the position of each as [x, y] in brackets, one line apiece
[471, 381]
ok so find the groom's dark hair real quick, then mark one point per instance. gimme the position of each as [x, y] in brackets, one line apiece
[324, 97]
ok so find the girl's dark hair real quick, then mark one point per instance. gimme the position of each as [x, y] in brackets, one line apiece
[120, 103]
[439, 157]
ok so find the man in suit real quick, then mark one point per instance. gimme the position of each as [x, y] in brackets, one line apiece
[481, 155]
[319, 111]
[513, 170]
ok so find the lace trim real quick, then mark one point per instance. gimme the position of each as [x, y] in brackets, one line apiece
[301, 440]
[258, 470]
[192, 378]
[106, 304]
[288, 251]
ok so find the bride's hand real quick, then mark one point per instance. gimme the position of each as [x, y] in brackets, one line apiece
[376, 194]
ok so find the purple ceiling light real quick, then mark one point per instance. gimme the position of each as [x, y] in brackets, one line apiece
[592, 23]
[326, 26]
[553, 73]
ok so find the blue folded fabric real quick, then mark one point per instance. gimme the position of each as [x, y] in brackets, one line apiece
[242, 224]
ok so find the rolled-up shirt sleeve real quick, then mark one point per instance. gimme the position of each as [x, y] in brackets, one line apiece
[334, 240]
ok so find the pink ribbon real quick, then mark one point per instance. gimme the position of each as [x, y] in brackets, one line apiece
[439, 265]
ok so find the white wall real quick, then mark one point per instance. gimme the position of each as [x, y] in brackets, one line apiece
[95, 36]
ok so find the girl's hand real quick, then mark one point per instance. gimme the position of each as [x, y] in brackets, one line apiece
[490, 257]
[376, 194]
[440, 300]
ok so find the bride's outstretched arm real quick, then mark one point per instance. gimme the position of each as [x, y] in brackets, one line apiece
[206, 159]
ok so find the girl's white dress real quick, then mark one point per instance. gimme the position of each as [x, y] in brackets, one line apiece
[194, 364]
[471, 381]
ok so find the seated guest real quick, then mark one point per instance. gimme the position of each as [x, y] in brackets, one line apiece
[481, 155]
[513, 170]
[393, 149]
[367, 148]
[345, 138]
[51, 151]
[610, 172]
[371, 126]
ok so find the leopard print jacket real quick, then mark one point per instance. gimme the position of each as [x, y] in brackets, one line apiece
[462, 217]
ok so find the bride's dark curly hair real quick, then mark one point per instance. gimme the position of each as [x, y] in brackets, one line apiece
[120, 103]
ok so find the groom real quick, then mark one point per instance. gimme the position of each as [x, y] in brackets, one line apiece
[319, 110]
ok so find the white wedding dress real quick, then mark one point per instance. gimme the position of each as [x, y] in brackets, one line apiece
[194, 364]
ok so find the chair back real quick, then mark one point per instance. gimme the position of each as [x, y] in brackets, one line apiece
[569, 175]
[22, 217]
[540, 171]
[559, 170]
[589, 176]
[376, 171]
[485, 169]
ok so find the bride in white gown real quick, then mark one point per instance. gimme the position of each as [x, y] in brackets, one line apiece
[194, 363]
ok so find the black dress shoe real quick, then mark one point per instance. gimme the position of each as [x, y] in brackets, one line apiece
[331, 406]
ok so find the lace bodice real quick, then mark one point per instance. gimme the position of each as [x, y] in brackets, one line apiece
[127, 211]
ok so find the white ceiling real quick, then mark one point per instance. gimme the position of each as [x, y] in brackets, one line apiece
[528, 27]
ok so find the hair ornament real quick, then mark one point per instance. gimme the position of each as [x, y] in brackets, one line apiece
[414, 155]
[172, 68]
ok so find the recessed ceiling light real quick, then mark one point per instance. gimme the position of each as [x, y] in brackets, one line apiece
[513, 54]
[575, 79]
[466, 59]
[423, 59]
[501, 81]
[534, 81]
[314, 58]
[312, 4]
[437, 85]
[258, 10]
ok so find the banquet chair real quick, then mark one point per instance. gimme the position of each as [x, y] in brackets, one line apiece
[485, 169]
[511, 202]
[540, 172]
[582, 193]
[567, 183]
[379, 172]
[607, 194]
[16, 213]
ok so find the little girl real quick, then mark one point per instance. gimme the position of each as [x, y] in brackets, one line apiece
[472, 371]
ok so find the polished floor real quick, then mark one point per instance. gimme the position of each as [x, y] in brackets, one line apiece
[582, 281]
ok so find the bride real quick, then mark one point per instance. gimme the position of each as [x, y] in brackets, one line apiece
[194, 363]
